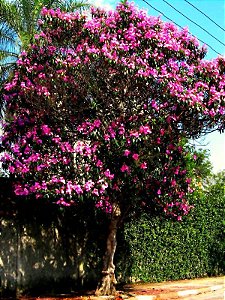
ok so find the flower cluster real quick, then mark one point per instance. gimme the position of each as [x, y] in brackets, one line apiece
[102, 107]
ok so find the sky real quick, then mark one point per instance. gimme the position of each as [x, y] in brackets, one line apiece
[214, 9]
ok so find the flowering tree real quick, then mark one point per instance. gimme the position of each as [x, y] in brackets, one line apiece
[101, 107]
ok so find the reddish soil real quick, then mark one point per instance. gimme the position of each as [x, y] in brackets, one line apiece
[90, 295]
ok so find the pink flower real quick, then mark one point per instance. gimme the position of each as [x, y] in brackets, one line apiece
[183, 172]
[88, 185]
[21, 191]
[27, 150]
[154, 105]
[18, 164]
[40, 167]
[134, 133]
[87, 168]
[78, 189]
[97, 123]
[44, 185]
[125, 168]
[65, 160]
[144, 129]
[121, 130]
[38, 141]
[11, 169]
[104, 186]
[106, 137]
[99, 163]
[135, 156]
[126, 152]
[95, 192]
[87, 150]
[61, 201]
[108, 174]
[167, 152]
[16, 149]
[69, 188]
[173, 182]
[188, 180]
[179, 148]
[143, 165]
[35, 187]
[25, 169]
[176, 171]
[158, 140]
[162, 131]
[39, 22]
[38, 196]
[56, 140]
[159, 192]
[115, 187]
[45, 130]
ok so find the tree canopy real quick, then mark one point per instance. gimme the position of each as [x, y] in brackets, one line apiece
[101, 108]
[18, 24]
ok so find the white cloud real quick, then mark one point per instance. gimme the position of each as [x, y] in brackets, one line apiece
[108, 5]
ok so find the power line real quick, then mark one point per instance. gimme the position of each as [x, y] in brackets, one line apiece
[180, 26]
[194, 22]
[205, 15]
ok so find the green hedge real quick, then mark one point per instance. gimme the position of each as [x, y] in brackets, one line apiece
[156, 249]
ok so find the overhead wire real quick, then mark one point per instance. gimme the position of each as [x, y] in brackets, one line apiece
[204, 14]
[194, 22]
[180, 26]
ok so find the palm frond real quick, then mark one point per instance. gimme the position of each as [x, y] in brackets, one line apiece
[9, 14]
[28, 19]
[4, 54]
[9, 40]
[70, 5]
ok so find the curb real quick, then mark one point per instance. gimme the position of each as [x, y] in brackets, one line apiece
[178, 294]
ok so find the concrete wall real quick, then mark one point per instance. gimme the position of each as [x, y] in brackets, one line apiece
[8, 255]
[39, 257]
[44, 248]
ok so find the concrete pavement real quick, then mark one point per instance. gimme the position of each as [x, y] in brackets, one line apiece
[215, 295]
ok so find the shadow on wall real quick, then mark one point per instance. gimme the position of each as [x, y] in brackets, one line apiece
[44, 249]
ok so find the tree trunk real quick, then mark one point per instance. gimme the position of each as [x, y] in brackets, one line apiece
[108, 284]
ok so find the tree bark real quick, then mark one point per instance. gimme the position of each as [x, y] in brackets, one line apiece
[107, 286]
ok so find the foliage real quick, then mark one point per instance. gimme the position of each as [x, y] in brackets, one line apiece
[70, 5]
[161, 249]
[19, 20]
[18, 24]
[200, 167]
[216, 190]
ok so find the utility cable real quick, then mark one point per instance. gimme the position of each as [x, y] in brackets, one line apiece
[215, 38]
[205, 15]
[180, 26]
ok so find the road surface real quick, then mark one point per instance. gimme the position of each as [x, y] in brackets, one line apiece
[216, 295]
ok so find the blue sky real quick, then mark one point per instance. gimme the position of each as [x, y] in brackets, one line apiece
[215, 9]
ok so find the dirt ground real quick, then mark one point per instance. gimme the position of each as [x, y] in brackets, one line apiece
[127, 291]
[89, 295]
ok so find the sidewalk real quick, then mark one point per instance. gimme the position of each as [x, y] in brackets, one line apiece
[174, 289]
